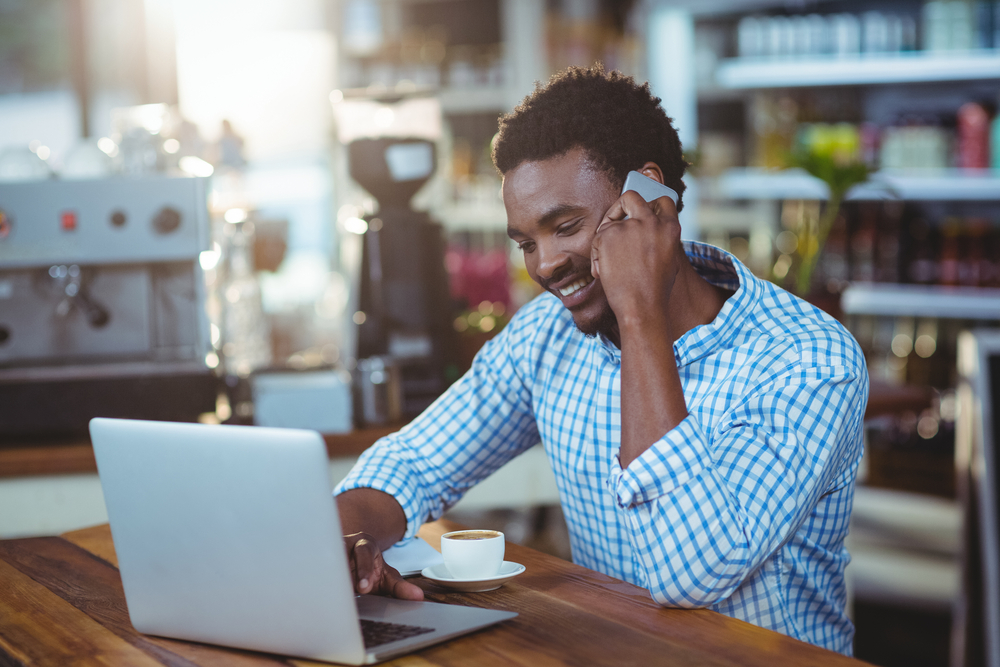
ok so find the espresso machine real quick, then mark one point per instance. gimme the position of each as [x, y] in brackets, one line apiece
[102, 303]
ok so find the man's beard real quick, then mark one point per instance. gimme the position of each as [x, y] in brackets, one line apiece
[605, 323]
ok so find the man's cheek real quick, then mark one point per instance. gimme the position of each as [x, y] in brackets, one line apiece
[532, 270]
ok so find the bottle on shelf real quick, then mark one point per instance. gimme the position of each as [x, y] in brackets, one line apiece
[947, 25]
[787, 122]
[973, 137]
[950, 255]
[845, 34]
[982, 12]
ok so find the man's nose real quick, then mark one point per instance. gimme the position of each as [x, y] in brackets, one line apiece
[552, 261]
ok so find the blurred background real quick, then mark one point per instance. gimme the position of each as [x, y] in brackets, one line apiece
[285, 213]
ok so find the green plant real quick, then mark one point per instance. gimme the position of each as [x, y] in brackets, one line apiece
[840, 173]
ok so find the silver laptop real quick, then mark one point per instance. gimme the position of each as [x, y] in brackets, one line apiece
[230, 535]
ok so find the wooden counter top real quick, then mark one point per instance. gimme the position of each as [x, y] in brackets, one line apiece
[59, 457]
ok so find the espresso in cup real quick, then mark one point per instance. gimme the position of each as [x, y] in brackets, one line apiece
[473, 554]
[474, 535]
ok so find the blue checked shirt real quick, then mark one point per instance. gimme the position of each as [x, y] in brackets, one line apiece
[742, 508]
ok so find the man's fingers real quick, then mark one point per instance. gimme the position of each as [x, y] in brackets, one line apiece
[365, 553]
[401, 588]
[372, 575]
[595, 257]
[613, 214]
[664, 207]
[624, 207]
[631, 206]
[392, 584]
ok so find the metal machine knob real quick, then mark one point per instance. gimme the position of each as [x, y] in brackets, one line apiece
[167, 220]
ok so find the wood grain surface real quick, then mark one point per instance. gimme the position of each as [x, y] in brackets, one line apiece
[61, 602]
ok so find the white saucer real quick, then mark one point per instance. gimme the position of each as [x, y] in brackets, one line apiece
[439, 574]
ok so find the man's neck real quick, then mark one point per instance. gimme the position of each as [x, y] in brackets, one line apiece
[693, 302]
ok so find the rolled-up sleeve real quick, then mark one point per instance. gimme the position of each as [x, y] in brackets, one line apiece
[705, 512]
[480, 423]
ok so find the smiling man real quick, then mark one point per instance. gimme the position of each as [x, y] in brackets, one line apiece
[704, 426]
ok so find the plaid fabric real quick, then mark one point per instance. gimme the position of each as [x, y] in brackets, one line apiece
[742, 508]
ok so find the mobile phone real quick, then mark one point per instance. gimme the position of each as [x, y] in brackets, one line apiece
[647, 188]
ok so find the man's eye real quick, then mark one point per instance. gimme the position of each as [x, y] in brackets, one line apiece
[569, 227]
[526, 246]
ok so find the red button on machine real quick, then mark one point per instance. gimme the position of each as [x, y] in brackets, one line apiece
[68, 221]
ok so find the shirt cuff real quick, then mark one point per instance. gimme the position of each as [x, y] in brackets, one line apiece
[670, 462]
[388, 477]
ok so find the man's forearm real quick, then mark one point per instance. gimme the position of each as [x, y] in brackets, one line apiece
[373, 512]
[652, 398]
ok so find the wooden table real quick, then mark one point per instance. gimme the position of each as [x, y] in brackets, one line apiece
[61, 602]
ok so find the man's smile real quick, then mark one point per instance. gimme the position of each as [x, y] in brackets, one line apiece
[576, 285]
[574, 291]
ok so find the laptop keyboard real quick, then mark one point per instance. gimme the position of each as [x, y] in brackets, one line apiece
[376, 633]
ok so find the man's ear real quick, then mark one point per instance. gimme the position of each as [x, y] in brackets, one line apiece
[652, 170]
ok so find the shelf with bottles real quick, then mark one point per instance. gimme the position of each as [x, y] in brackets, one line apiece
[916, 184]
[454, 48]
[923, 145]
[938, 40]
[471, 98]
[858, 69]
[922, 142]
[480, 55]
[895, 255]
[469, 94]
[969, 303]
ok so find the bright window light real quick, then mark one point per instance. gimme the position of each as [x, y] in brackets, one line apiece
[355, 225]
[194, 166]
[236, 215]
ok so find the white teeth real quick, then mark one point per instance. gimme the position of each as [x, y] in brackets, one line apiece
[572, 287]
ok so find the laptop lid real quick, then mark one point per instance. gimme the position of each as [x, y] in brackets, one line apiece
[229, 535]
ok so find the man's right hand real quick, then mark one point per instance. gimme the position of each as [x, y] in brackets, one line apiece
[370, 572]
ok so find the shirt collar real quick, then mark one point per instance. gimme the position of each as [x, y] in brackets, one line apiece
[719, 268]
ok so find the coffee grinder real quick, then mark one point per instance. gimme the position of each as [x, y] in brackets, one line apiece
[403, 283]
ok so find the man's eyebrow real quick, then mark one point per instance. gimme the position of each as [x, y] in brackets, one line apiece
[555, 213]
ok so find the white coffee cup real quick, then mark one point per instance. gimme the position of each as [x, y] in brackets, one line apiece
[473, 554]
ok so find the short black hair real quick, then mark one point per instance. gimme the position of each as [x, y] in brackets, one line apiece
[618, 123]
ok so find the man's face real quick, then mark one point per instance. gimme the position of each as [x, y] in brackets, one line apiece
[553, 209]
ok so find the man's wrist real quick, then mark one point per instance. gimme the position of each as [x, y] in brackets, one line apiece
[639, 324]
[365, 510]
